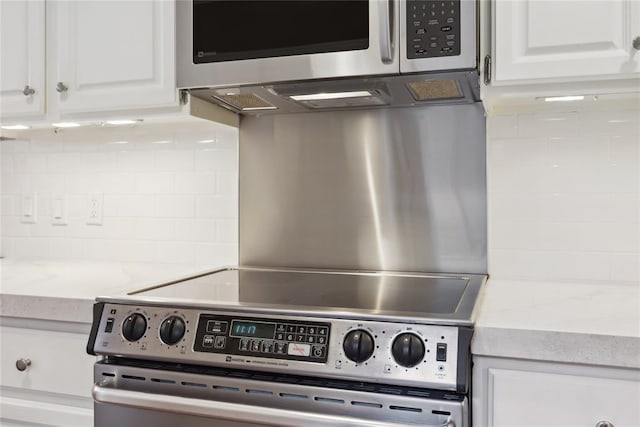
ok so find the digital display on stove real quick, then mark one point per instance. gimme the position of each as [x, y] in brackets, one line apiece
[252, 329]
[287, 339]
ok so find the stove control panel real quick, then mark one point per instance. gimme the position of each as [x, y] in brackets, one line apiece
[414, 354]
[272, 338]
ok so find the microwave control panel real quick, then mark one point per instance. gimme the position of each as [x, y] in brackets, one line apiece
[433, 28]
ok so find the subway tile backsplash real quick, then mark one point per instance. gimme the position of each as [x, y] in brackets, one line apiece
[170, 194]
[564, 196]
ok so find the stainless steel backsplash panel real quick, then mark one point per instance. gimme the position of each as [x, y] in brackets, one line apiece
[389, 189]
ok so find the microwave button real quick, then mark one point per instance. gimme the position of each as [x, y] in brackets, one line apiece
[451, 36]
[416, 23]
[417, 46]
[445, 29]
[445, 50]
[451, 20]
[417, 40]
[420, 31]
[433, 44]
[451, 43]
[433, 22]
[421, 52]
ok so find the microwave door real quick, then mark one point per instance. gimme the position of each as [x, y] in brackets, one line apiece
[224, 43]
[438, 35]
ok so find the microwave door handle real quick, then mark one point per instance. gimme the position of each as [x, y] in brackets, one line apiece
[386, 30]
[105, 393]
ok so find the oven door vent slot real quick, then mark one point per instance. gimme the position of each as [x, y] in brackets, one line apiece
[190, 384]
[162, 381]
[405, 408]
[441, 412]
[263, 392]
[328, 400]
[108, 374]
[133, 377]
[293, 396]
[225, 388]
[367, 404]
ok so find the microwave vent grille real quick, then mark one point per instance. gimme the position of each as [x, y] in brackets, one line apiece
[245, 102]
[428, 90]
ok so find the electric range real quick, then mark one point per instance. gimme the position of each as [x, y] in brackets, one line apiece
[365, 347]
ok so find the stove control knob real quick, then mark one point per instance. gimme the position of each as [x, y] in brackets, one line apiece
[407, 350]
[172, 330]
[358, 345]
[134, 327]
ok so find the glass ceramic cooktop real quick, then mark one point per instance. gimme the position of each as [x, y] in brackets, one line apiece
[290, 289]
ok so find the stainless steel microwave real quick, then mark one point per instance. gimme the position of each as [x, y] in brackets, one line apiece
[236, 43]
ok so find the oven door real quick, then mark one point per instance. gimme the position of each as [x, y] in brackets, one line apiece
[134, 396]
[226, 43]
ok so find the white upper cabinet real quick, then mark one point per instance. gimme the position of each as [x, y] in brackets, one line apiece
[91, 59]
[112, 55]
[22, 65]
[565, 40]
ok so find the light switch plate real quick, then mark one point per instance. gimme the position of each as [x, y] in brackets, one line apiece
[59, 209]
[29, 208]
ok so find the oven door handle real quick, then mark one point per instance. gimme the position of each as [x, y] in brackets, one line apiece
[230, 411]
[386, 11]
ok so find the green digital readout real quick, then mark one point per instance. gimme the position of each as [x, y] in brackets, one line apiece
[241, 328]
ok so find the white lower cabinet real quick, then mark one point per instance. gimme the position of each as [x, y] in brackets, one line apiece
[55, 388]
[513, 393]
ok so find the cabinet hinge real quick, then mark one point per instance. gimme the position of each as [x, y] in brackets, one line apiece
[184, 96]
[487, 70]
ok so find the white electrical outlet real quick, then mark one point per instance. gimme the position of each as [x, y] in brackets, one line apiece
[94, 209]
[59, 209]
[29, 208]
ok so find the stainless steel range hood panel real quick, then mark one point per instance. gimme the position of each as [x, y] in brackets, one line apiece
[392, 91]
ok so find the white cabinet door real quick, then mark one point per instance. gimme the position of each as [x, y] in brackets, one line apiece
[113, 55]
[520, 393]
[22, 58]
[59, 362]
[567, 40]
[55, 389]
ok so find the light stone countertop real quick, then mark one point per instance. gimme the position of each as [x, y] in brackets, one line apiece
[586, 323]
[65, 290]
